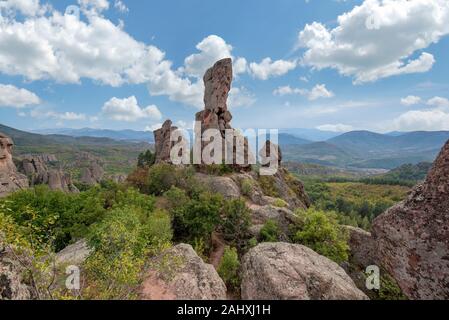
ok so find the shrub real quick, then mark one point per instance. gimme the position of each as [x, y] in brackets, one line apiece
[121, 244]
[146, 159]
[162, 177]
[270, 232]
[229, 268]
[268, 185]
[199, 217]
[280, 203]
[236, 222]
[247, 187]
[321, 232]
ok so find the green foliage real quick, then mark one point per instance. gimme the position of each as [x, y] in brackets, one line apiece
[162, 177]
[121, 244]
[356, 204]
[236, 220]
[229, 268]
[247, 187]
[321, 232]
[219, 169]
[198, 217]
[268, 185]
[146, 159]
[270, 232]
[280, 203]
[389, 290]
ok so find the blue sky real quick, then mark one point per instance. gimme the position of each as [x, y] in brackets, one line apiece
[333, 65]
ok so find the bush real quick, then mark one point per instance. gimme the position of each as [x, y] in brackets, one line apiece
[247, 187]
[122, 242]
[198, 218]
[162, 177]
[268, 185]
[146, 159]
[236, 222]
[270, 232]
[280, 203]
[321, 232]
[229, 268]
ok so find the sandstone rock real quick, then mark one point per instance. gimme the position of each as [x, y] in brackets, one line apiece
[74, 254]
[36, 169]
[10, 179]
[163, 144]
[186, 278]
[92, 174]
[12, 286]
[362, 247]
[222, 185]
[282, 271]
[217, 83]
[412, 238]
[283, 216]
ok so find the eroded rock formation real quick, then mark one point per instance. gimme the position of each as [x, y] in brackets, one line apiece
[36, 168]
[10, 179]
[412, 238]
[163, 144]
[283, 271]
[185, 277]
[217, 83]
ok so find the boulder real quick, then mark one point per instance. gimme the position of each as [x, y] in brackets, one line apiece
[10, 179]
[222, 185]
[180, 274]
[261, 214]
[362, 247]
[412, 238]
[74, 254]
[12, 286]
[282, 271]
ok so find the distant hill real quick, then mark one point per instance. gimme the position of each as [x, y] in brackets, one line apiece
[314, 135]
[288, 139]
[365, 149]
[130, 135]
[322, 153]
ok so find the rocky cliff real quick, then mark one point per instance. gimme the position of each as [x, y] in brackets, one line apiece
[36, 168]
[412, 238]
[10, 179]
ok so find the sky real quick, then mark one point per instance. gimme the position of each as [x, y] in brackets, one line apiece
[335, 65]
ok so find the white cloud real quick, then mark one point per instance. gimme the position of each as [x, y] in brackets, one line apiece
[65, 49]
[335, 127]
[128, 110]
[240, 97]
[436, 118]
[212, 49]
[93, 7]
[11, 96]
[120, 6]
[438, 102]
[68, 116]
[427, 120]
[377, 39]
[318, 91]
[268, 68]
[153, 127]
[26, 7]
[410, 100]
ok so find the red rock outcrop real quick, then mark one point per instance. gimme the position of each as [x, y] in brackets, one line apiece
[10, 179]
[163, 144]
[217, 83]
[412, 238]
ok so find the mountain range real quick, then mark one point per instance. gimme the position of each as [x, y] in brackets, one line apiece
[355, 149]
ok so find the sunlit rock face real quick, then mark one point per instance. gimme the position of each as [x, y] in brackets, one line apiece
[412, 238]
[10, 179]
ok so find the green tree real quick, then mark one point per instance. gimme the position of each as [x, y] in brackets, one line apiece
[321, 232]
[229, 268]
